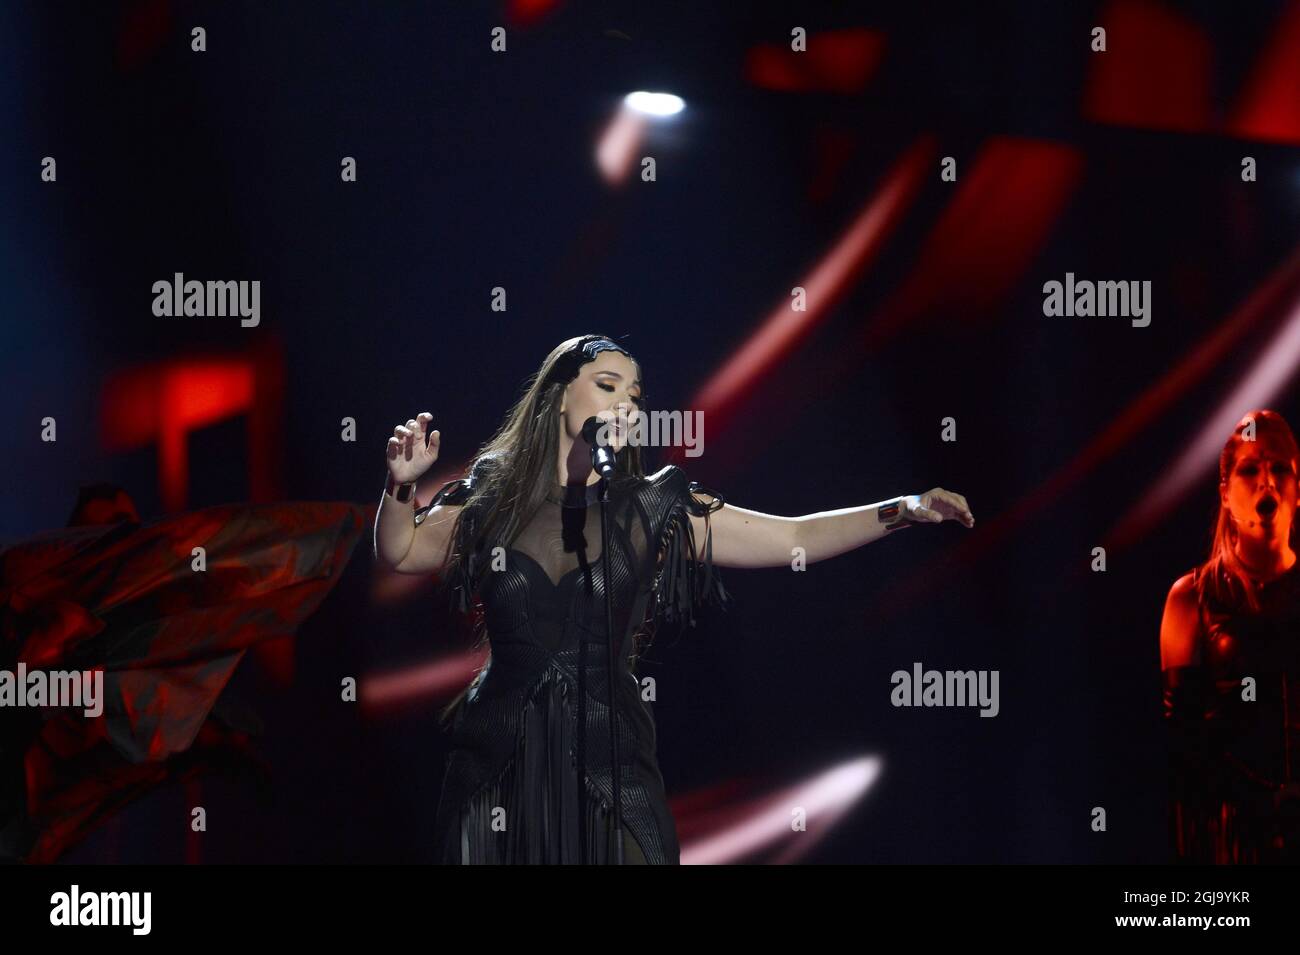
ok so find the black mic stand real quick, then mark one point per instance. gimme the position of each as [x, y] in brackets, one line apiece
[604, 463]
[616, 768]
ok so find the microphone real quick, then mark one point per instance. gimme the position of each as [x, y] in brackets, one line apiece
[602, 455]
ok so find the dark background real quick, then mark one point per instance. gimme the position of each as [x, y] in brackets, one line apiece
[476, 170]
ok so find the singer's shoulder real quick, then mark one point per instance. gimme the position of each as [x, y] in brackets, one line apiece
[669, 489]
[487, 464]
[458, 491]
[659, 494]
[663, 489]
[668, 476]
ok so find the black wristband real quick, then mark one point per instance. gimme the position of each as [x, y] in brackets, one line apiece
[401, 493]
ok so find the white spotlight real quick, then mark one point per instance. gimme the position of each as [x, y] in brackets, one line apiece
[654, 104]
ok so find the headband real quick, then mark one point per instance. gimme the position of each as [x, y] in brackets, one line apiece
[584, 350]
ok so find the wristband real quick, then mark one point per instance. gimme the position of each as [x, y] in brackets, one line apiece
[894, 515]
[401, 493]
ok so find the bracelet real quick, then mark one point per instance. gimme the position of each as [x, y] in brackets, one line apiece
[401, 493]
[893, 515]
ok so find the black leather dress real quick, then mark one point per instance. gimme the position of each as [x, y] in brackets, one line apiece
[1236, 760]
[512, 790]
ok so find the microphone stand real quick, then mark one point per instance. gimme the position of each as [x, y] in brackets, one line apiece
[616, 768]
[604, 464]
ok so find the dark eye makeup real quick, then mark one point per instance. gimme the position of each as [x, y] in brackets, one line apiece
[638, 400]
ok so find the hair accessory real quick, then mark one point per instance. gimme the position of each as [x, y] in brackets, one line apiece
[586, 349]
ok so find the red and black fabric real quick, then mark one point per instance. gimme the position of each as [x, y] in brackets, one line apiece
[126, 599]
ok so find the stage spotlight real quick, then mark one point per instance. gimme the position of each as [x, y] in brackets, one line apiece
[618, 146]
[654, 104]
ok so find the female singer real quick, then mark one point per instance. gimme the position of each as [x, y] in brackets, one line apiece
[528, 777]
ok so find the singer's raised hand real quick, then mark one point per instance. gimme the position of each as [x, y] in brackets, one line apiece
[410, 453]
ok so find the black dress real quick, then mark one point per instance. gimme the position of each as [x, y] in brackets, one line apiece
[512, 790]
[1236, 762]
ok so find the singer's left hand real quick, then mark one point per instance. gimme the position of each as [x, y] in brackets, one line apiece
[937, 506]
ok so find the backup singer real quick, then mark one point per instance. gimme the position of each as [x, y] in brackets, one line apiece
[1230, 655]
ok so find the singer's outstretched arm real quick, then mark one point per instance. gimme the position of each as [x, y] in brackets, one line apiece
[745, 538]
